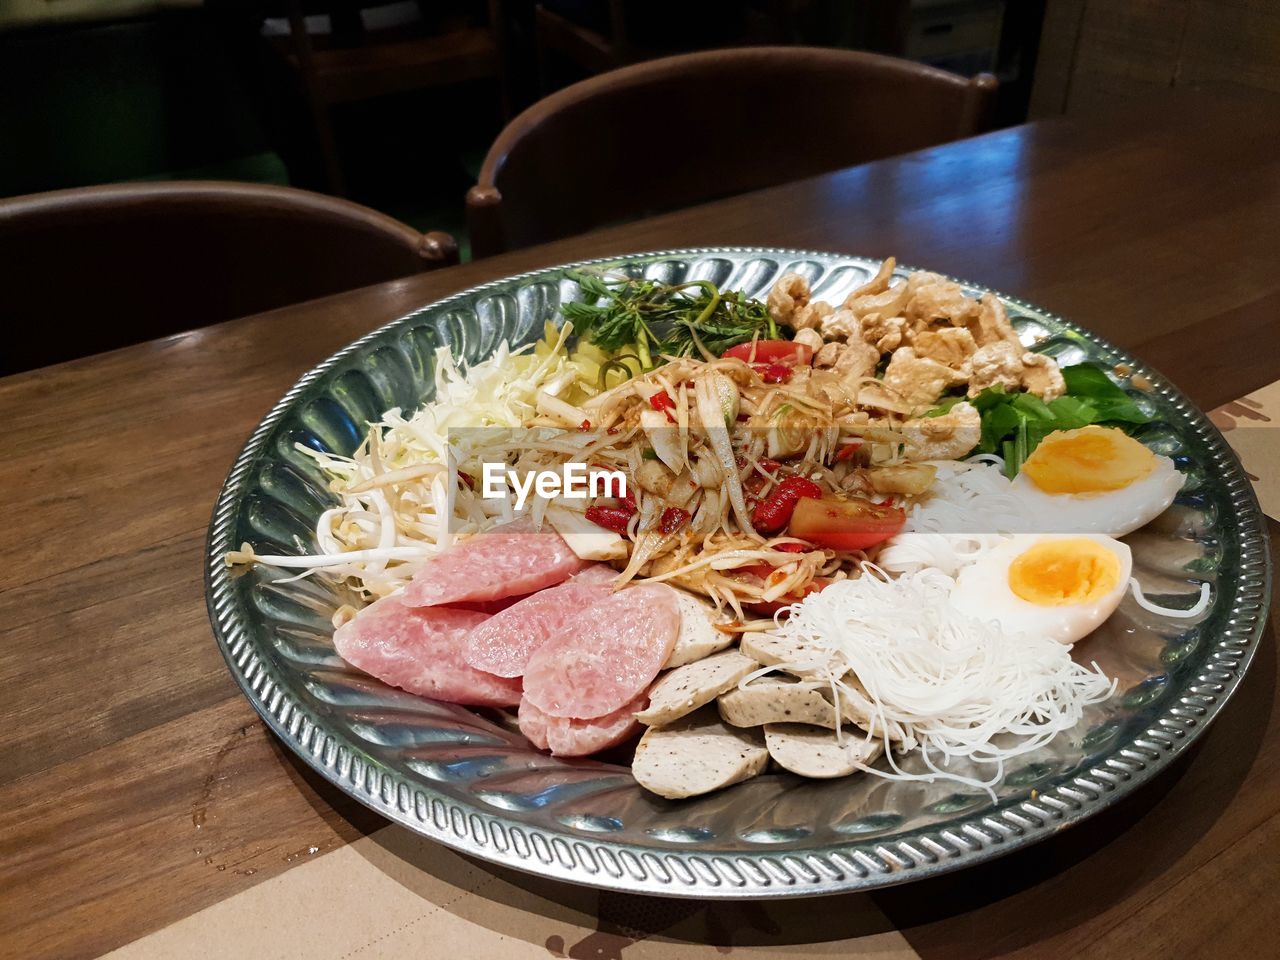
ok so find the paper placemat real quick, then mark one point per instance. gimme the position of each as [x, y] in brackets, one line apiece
[394, 894]
[1252, 427]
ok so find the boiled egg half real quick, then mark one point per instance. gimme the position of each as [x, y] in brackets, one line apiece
[1060, 586]
[1095, 480]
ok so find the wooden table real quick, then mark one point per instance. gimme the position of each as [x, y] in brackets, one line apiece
[137, 786]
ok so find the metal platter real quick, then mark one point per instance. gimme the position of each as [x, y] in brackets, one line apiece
[473, 783]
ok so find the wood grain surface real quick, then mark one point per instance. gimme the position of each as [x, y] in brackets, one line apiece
[137, 786]
[1093, 54]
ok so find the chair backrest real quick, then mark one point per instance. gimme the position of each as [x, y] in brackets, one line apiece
[93, 269]
[680, 130]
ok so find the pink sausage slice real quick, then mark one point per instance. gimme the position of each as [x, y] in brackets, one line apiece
[533, 723]
[503, 644]
[565, 737]
[507, 561]
[421, 650]
[606, 656]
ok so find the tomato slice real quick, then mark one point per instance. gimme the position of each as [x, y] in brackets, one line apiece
[845, 524]
[771, 351]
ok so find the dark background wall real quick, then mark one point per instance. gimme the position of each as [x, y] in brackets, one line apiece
[95, 91]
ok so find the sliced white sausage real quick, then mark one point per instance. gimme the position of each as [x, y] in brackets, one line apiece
[694, 685]
[695, 755]
[772, 651]
[816, 751]
[860, 712]
[698, 637]
[776, 700]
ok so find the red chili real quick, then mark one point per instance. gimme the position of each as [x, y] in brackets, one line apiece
[772, 372]
[848, 450]
[755, 482]
[672, 519]
[584, 426]
[662, 401]
[611, 518]
[629, 498]
[774, 513]
[805, 487]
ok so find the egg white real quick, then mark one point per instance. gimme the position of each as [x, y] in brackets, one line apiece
[1114, 512]
[982, 591]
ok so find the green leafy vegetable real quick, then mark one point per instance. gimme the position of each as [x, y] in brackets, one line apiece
[1013, 424]
[1072, 412]
[653, 318]
[1088, 382]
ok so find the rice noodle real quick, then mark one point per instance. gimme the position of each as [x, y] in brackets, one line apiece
[973, 496]
[946, 553]
[1177, 613]
[969, 509]
[933, 680]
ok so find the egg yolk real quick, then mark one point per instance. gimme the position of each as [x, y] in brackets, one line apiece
[1060, 572]
[1088, 460]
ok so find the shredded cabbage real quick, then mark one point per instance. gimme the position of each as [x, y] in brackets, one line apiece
[399, 503]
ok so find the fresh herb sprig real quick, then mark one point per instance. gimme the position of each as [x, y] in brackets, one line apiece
[652, 319]
[1013, 424]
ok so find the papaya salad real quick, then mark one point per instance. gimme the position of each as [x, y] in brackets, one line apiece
[833, 538]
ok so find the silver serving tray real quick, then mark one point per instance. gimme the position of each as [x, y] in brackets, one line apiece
[472, 782]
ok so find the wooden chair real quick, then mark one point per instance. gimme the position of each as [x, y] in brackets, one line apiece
[600, 35]
[681, 130]
[353, 64]
[94, 269]
[594, 47]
